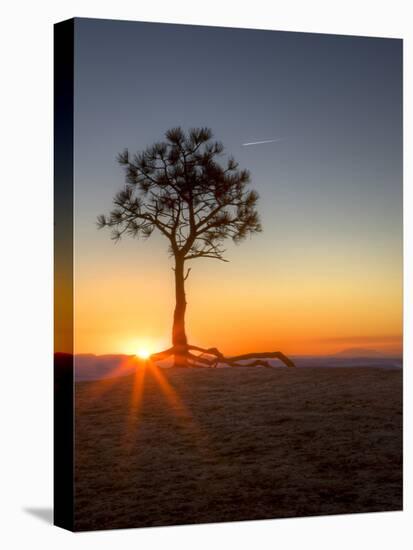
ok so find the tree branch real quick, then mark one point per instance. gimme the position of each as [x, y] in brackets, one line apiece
[202, 255]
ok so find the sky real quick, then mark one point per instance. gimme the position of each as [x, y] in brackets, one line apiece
[326, 272]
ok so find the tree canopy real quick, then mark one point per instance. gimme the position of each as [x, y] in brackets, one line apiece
[180, 187]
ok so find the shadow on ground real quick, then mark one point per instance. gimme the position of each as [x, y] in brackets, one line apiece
[45, 514]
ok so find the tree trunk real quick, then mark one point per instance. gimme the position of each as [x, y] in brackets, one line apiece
[179, 340]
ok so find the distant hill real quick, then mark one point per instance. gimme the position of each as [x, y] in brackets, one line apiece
[92, 367]
[360, 352]
[89, 367]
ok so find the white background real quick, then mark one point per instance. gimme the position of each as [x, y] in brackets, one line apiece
[26, 272]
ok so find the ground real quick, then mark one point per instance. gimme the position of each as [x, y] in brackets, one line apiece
[206, 445]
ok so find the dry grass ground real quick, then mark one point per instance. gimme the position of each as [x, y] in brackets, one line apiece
[233, 444]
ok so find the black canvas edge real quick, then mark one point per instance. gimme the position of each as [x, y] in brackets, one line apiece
[63, 430]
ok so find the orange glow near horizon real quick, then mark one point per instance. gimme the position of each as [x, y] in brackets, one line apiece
[316, 314]
[318, 299]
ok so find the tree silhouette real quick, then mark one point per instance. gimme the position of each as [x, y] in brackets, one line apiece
[179, 188]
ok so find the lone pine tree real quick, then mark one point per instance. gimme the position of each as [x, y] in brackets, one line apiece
[180, 188]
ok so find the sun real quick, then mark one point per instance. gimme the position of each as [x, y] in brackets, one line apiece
[143, 347]
[143, 353]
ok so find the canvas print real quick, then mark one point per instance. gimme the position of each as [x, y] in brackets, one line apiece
[228, 274]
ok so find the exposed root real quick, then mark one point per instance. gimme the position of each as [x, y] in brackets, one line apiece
[211, 357]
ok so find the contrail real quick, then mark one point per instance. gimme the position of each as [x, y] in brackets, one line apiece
[260, 142]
